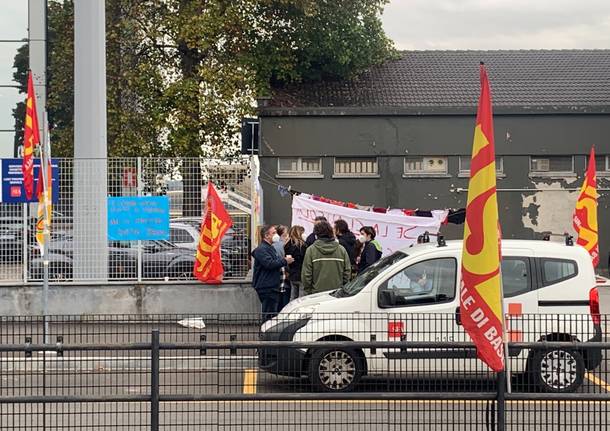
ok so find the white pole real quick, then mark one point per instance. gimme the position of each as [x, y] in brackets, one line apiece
[90, 255]
[44, 162]
[504, 333]
[140, 188]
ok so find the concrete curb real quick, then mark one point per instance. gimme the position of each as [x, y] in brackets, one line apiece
[99, 364]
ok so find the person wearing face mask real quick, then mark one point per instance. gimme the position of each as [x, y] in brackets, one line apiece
[266, 274]
[279, 240]
[326, 265]
[296, 247]
[371, 252]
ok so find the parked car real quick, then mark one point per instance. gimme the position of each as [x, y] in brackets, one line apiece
[539, 278]
[185, 232]
[160, 259]
[11, 239]
[12, 234]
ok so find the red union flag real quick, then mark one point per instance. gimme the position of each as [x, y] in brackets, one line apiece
[585, 214]
[480, 291]
[44, 193]
[31, 138]
[208, 264]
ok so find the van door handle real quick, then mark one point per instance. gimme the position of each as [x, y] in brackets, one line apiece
[458, 317]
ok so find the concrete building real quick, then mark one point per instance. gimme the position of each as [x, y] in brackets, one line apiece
[400, 135]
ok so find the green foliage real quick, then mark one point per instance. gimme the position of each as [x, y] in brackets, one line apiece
[182, 73]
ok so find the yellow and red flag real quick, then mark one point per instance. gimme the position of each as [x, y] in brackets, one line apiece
[43, 214]
[585, 214]
[208, 264]
[31, 139]
[481, 290]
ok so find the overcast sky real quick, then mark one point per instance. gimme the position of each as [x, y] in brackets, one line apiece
[412, 24]
[498, 24]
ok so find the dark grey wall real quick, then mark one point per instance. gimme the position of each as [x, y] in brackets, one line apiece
[524, 213]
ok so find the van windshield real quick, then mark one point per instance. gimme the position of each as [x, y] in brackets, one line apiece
[357, 284]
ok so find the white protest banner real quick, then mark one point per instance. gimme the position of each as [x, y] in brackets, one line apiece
[394, 231]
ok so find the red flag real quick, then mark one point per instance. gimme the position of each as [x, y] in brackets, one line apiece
[208, 264]
[480, 291]
[31, 139]
[584, 219]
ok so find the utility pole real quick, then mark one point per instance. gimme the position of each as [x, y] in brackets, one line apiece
[90, 260]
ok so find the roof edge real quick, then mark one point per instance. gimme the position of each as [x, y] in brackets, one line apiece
[316, 111]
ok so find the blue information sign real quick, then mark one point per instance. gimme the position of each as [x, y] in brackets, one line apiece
[138, 218]
[12, 190]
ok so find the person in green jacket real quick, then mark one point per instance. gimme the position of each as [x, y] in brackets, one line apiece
[326, 265]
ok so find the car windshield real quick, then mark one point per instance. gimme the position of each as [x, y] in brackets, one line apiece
[357, 284]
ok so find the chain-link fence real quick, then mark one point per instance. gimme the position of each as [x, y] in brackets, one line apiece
[77, 217]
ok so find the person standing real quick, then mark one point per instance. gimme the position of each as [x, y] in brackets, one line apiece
[312, 236]
[326, 265]
[266, 275]
[371, 252]
[279, 241]
[296, 247]
[347, 239]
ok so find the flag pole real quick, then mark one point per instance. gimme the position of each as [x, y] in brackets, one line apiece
[45, 232]
[505, 335]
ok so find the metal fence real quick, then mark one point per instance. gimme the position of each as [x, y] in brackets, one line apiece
[314, 372]
[183, 180]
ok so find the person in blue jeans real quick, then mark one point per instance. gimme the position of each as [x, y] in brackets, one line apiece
[266, 274]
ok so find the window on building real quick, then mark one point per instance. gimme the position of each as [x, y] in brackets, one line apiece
[552, 165]
[465, 165]
[299, 166]
[356, 167]
[426, 165]
[602, 164]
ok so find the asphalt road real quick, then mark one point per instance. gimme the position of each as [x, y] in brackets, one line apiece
[187, 372]
[368, 414]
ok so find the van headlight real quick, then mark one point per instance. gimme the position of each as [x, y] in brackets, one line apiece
[302, 312]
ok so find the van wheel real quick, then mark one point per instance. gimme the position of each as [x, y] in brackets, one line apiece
[335, 370]
[557, 370]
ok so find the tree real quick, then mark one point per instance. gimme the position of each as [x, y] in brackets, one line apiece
[20, 76]
[182, 73]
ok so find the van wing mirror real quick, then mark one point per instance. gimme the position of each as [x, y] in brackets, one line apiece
[387, 298]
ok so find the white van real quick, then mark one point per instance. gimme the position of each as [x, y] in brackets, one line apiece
[413, 295]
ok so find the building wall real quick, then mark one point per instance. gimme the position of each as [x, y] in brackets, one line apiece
[529, 206]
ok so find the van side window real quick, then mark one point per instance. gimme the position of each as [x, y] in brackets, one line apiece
[428, 282]
[557, 270]
[516, 277]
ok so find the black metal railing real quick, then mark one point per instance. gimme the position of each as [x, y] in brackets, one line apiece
[156, 375]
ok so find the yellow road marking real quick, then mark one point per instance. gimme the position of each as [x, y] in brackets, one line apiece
[598, 381]
[250, 377]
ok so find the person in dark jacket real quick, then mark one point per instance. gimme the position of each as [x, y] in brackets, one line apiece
[312, 236]
[266, 274]
[326, 265]
[347, 239]
[296, 247]
[279, 241]
[371, 252]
